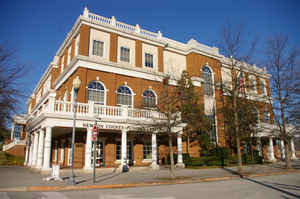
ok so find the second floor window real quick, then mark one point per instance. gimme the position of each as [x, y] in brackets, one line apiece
[98, 48]
[124, 96]
[212, 132]
[125, 54]
[149, 99]
[148, 60]
[208, 82]
[96, 92]
[252, 84]
[266, 116]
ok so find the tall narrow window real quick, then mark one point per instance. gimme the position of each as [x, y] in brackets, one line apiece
[148, 60]
[125, 54]
[98, 48]
[69, 55]
[62, 63]
[266, 116]
[147, 150]
[118, 150]
[208, 82]
[124, 96]
[96, 92]
[241, 83]
[263, 86]
[77, 45]
[255, 114]
[212, 132]
[149, 99]
[252, 84]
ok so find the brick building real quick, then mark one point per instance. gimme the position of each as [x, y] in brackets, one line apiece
[121, 68]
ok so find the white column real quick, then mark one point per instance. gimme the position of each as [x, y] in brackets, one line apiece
[179, 152]
[258, 146]
[47, 148]
[31, 150]
[282, 149]
[124, 148]
[26, 153]
[56, 151]
[88, 149]
[12, 131]
[293, 150]
[154, 164]
[271, 150]
[62, 152]
[35, 149]
[40, 149]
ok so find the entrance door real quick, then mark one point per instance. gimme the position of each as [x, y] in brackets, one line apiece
[99, 153]
[130, 153]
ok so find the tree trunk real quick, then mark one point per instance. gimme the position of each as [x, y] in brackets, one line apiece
[188, 145]
[237, 136]
[288, 164]
[172, 167]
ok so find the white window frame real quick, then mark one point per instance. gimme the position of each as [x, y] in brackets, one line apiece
[62, 64]
[252, 84]
[263, 83]
[129, 55]
[104, 92]
[132, 96]
[212, 79]
[152, 61]
[77, 44]
[149, 149]
[155, 99]
[69, 55]
[103, 47]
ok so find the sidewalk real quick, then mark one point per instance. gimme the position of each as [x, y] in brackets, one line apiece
[15, 178]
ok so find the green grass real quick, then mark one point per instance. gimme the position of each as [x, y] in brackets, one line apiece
[6, 159]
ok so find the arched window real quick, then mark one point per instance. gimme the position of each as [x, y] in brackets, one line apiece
[149, 99]
[124, 96]
[96, 92]
[208, 81]
[266, 116]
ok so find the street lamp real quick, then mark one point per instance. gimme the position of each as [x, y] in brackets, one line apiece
[76, 85]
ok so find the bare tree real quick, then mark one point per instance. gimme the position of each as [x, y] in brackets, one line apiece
[283, 63]
[237, 58]
[10, 92]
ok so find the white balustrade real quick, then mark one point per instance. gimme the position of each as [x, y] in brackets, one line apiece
[122, 26]
[90, 109]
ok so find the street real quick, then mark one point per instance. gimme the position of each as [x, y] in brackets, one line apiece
[277, 186]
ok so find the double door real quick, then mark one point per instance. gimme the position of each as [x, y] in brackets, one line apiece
[99, 153]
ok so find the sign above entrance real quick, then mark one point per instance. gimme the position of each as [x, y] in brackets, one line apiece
[103, 126]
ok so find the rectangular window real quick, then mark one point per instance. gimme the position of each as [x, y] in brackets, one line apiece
[69, 155]
[147, 150]
[263, 87]
[252, 84]
[123, 99]
[98, 48]
[125, 54]
[69, 55]
[62, 63]
[212, 132]
[118, 150]
[77, 45]
[148, 60]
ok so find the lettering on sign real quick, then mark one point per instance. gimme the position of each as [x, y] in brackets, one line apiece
[103, 126]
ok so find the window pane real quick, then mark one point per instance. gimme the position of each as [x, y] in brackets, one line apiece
[124, 96]
[147, 148]
[98, 48]
[148, 60]
[207, 76]
[96, 92]
[125, 52]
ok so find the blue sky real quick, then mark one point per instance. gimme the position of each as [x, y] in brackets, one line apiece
[36, 29]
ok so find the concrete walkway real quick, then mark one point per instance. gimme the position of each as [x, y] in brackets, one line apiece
[15, 178]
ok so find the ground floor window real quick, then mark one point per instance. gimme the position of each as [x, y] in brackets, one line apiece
[69, 155]
[147, 150]
[119, 151]
[62, 153]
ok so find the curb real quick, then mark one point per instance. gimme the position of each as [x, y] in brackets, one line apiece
[132, 185]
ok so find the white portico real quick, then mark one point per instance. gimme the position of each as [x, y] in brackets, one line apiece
[50, 131]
